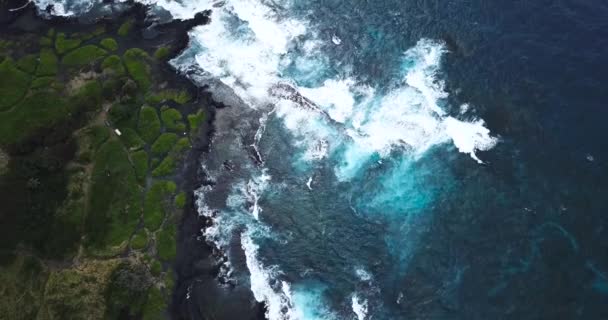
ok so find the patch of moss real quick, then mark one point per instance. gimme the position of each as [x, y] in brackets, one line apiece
[169, 280]
[155, 305]
[109, 44]
[13, 84]
[140, 162]
[48, 63]
[114, 205]
[161, 53]
[28, 63]
[63, 44]
[182, 145]
[4, 159]
[125, 28]
[149, 124]
[135, 60]
[166, 244]
[124, 116]
[195, 121]
[164, 143]
[139, 240]
[114, 64]
[83, 55]
[172, 119]
[179, 96]
[154, 211]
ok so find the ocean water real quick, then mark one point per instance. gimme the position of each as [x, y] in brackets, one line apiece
[409, 159]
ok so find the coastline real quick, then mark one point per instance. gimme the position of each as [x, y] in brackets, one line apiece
[194, 266]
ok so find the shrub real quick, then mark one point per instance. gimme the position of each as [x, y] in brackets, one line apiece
[114, 64]
[125, 28]
[180, 200]
[83, 55]
[179, 96]
[154, 211]
[139, 240]
[166, 167]
[164, 143]
[13, 84]
[155, 305]
[109, 44]
[166, 244]
[63, 45]
[28, 63]
[172, 119]
[131, 139]
[149, 124]
[48, 63]
[140, 162]
[195, 121]
[135, 60]
[162, 53]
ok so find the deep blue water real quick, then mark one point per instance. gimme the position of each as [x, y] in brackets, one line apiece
[418, 230]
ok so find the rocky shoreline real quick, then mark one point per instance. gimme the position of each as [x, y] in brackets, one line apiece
[196, 294]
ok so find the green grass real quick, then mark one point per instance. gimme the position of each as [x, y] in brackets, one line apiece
[114, 64]
[13, 84]
[140, 162]
[149, 124]
[84, 55]
[63, 44]
[182, 145]
[125, 28]
[166, 244]
[155, 305]
[139, 240]
[154, 208]
[172, 119]
[195, 121]
[180, 200]
[135, 60]
[161, 53]
[179, 96]
[28, 63]
[48, 63]
[114, 205]
[109, 44]
[164, 143]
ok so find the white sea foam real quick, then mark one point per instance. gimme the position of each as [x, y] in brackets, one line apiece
[359, 306]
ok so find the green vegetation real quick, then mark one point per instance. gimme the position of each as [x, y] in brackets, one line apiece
[45, 42]
[182, 145]
[131, 139]
[180, 200]
[172, 119]
[140, 162]
[125, 28]
[149, 124]
[43, 82]
[21, 285]
[127, 291]
[154, 208]
[48, 63]
[165, 168]
[139, 240]
[115, 209]
[136, 62]
[155, 305]
[83, 56]
[166, 244]
[164, 143]
[114, 64]
[13, 84]
[161, 53]
[28, 63]
[109, 44]
[195, 121]
[156, 268]
[179, 96]
[63, 44]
